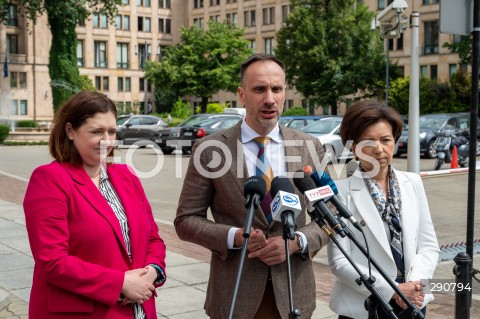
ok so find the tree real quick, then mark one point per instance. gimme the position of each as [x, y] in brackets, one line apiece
[204, 62]
[63, 17]
[463, 48]
[329, 50]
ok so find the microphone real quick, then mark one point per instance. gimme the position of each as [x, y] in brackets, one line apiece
[316, 198]
[323, 179]
[254, 191]
[285, 206]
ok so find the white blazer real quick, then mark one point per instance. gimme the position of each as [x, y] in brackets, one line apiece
[420, 246]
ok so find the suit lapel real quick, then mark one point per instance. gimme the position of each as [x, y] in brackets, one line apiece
[366, 208]
[408, 219]
[94, 197]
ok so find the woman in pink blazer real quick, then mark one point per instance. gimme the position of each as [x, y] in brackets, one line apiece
[91, 229]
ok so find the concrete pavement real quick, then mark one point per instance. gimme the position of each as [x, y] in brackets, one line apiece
[183, 295]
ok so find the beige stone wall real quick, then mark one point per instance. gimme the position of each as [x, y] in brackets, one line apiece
[35, 44]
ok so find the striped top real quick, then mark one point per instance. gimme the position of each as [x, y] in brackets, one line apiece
[108, 192]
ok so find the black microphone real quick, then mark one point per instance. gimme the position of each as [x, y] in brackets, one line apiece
[254, 191]
[316, 198]
[323, 179]
[285, 206]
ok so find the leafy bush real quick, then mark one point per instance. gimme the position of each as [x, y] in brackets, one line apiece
[26, 123]
[181, 109]
[4, 130]
[296, 110]
[212, 108]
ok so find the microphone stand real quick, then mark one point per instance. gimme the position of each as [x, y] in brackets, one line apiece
[289, 234]
[369, 303]
[368, 282]
[251, 203]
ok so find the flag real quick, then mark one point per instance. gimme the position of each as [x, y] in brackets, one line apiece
[5, 67]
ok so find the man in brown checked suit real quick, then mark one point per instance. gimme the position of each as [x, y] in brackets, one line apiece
[215, 178]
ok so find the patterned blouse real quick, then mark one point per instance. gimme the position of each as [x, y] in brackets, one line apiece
[108, 192]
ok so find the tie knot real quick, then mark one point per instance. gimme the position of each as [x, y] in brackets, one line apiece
[262, 140]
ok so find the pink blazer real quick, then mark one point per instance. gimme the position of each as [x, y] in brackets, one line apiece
[78, 246]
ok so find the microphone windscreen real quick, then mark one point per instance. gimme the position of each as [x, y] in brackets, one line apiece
[255, 185]
[323, 179]
[304, 184]
[281, 183]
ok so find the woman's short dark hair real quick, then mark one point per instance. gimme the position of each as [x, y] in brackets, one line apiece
[255, 58]
[76, 111]
[362, 114]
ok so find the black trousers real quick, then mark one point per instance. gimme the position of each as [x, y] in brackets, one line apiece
[382, 315]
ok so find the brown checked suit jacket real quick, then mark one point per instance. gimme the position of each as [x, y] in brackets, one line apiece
[219, 188]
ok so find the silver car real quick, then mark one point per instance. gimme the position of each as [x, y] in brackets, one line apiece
[139, 129]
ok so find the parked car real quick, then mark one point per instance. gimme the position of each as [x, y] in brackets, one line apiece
[138, 129]
[430, 125]
[172, 138]
[327, 130]
[205, 128]
[298, 121]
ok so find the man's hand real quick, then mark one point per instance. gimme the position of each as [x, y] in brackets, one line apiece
[256, 240]
[274, 252]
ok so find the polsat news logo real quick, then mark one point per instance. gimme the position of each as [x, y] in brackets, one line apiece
[288, 199]
[322, 191]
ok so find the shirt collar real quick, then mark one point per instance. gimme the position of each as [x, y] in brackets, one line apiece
[248, 134]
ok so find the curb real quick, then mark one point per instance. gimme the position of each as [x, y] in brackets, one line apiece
[4, 299]
[448, 171]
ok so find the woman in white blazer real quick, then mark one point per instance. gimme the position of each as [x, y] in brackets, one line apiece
[393, 210]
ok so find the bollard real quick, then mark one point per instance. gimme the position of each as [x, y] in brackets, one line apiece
[463, 276]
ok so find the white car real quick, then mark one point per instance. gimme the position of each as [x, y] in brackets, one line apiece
[327, 130]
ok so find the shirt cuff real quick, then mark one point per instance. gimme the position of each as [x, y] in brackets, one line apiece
[160, 274]
[305, 243]
[231, 238]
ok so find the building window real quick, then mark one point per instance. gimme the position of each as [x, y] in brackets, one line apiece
[80, 59]
[427, 2]
[433, 72]
[161, 27]
[100, 20]
[125, 1]
[143, 3]
[198, 22]
[269, 46]
[122, 56]
[12, 44]
[144, 24]
[19, 107]
[144, 51]
[214, 3]
[215, 18]
[452, 69]
[424, 71]
[231, 1]
[18, 80]
[128, 85]
[197, 4]
[232, 18]
[400, 42]
[290, 103]
[269, 15]
[120, 85]
[431, 37]
[252, 45]
[249, 18]
[100, 54]
[390, 44]
[122, 22]
[168, 26]
[101, 83]
[285, 10]
[166, 4]
[11, 18]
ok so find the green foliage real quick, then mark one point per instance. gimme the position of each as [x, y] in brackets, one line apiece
[329, 50]
[435, 97]
[87, 83]
[4, 130]
[462, 48]
[212, 108]
[204, 62]
[25, 123]
[181, 109]
[164, 100]
[63, 17]
[296, 110]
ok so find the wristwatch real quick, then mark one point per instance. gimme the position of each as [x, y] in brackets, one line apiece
[301, 244]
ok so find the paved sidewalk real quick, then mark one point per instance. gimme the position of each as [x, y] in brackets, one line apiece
[183, 295]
